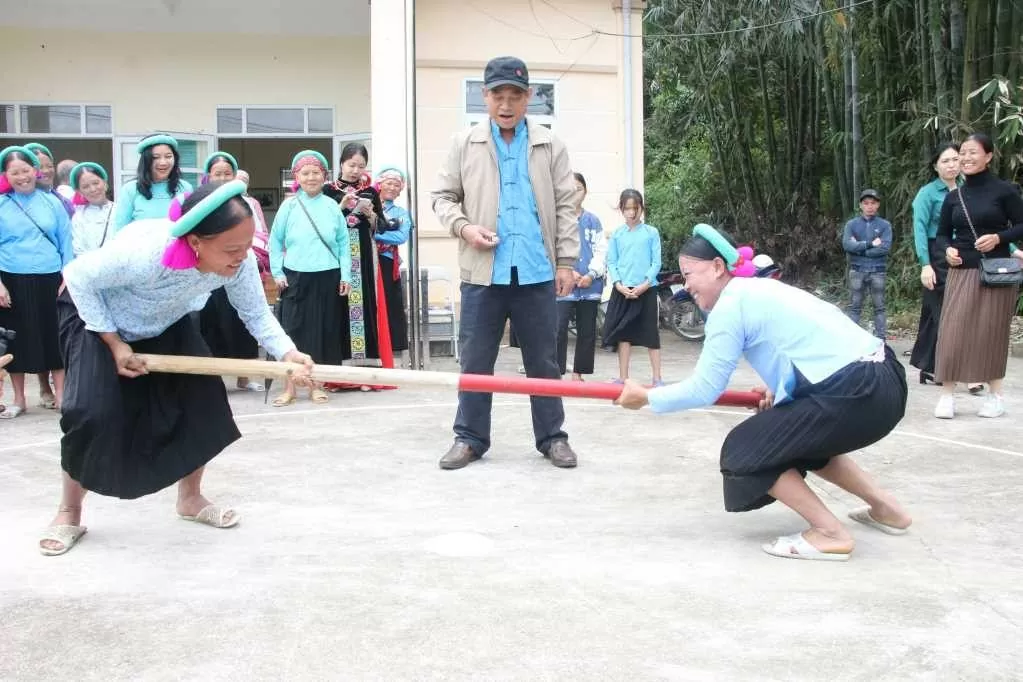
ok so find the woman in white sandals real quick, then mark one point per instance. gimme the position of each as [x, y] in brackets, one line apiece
[833, 388]
[128, 433]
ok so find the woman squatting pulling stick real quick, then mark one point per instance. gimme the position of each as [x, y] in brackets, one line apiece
[831, 388]
[128, 433]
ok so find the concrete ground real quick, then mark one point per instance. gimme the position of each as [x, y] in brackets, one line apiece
[358, 559]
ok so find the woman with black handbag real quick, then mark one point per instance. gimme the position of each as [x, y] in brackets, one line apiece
[978, 223]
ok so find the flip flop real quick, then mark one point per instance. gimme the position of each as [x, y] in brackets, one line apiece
[213, 515]
[797, 547]
[48, 402]
[284, 399]
[862, 515]
[12, 412]
[68, 536]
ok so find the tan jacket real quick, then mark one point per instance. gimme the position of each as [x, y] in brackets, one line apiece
[468, 193]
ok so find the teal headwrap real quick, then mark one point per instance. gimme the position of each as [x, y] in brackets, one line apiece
[94, 167]
[185, 223]
[154, 140]
[220, 155]
[29, 154]
[306, 153]
[35, 147]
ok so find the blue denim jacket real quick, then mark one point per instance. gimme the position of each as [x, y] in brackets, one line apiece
[857, 237]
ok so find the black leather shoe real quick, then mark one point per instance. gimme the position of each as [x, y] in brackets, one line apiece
[561, 454]
[458, 456]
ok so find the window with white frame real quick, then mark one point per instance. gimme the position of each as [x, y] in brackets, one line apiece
[275, 121]
[55, 120]
[542, 106]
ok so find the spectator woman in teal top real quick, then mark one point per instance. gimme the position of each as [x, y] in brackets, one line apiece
[933, 268]
[157, 184]
[310, 258]
[633, 261]
[35, 245]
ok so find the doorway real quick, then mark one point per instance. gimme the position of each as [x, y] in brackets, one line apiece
[97, 150]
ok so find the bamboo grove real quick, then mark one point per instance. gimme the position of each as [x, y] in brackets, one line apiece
[767, 117]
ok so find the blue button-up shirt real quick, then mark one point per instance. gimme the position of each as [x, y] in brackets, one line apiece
[521, 243]
[780, 330]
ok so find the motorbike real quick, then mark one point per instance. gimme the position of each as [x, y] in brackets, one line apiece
[684, 317]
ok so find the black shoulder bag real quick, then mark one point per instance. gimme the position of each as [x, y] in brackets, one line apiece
[994, 272]
[38, 227]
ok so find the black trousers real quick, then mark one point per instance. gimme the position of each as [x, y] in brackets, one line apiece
[586, 335]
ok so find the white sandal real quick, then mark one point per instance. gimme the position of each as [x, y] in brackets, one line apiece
[67, 536]
[862, 515]
[797, 547]
[213, 515]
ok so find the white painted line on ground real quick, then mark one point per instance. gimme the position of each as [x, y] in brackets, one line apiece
[287, 412]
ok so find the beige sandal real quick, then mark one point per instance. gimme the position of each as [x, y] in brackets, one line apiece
[67, 536]
[214, 515]
[284, 399]
[319, 396]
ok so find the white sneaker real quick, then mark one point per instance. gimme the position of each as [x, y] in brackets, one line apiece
[992, 407]
[946, 407]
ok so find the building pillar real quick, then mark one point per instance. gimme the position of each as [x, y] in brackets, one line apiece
[631, 103]
[387, 83]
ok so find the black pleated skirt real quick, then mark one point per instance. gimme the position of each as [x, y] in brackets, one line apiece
[632, 320]
[310, 312]
[33, 317]
[224, 331]
[853, 408]
[131, 437]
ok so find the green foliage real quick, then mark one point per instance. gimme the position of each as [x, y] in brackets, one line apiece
[767, 117]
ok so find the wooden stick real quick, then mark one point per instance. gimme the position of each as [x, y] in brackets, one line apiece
[375, 376]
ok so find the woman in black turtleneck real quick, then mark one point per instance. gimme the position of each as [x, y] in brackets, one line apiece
[973, 338]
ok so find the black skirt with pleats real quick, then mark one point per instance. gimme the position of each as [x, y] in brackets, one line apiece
[33, 317]
[310, 311]
[224, 331]
[855, 407]
[131, 437]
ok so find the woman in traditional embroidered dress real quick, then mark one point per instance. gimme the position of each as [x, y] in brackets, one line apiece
[221, 327]
[393, 231]
[91, 223]
[157, 184]
[832, 388]
[365, 339]
[35, 244]
[309, 258]
[128, 433]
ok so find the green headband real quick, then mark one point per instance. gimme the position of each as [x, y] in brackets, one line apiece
[728, 252]
[21, 150]
[391, 169]
[35, 147]
[220, 155]
[154, 140]
[188, 221]
[87, 165]
[309, 152]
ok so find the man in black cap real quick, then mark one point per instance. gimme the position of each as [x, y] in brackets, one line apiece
[867, 240]
[506, 191]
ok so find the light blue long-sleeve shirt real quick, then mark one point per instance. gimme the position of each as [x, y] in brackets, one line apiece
[520, 244]
[634, 255]
[926, 213]
[393, 211]
[132, 206]
[26, 249]
[294, 243]
[781, 330]
[125, 288]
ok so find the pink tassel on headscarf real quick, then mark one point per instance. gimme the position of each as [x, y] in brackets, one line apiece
[79, 200]
[179, 255]
[5, 185]
[294, 186]
[745, 267]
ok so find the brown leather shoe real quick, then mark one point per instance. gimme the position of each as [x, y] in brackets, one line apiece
[561, 454]
[458, 456]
